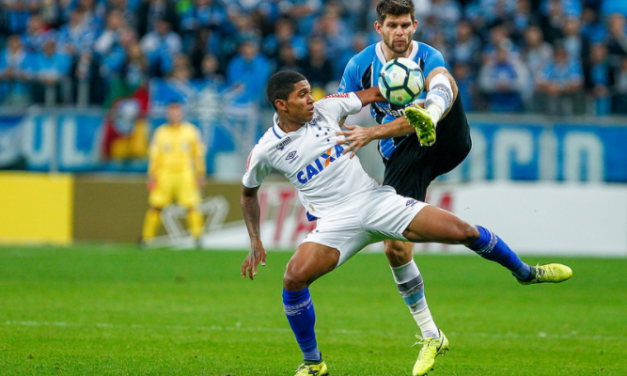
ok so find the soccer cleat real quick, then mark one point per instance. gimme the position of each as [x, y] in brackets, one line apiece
[319, 369]
[420, 119]
[431, 347]
[549, 273]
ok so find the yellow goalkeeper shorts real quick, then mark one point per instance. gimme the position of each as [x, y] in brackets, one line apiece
[180, 188]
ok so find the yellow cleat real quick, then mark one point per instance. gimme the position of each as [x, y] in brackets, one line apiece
[420, 119]
[549, 273]
[319, 369]
[431, 347]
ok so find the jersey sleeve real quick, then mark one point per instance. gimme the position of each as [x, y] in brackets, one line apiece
[340, 105]
[257, 169]
[433, 60]
[350, 80]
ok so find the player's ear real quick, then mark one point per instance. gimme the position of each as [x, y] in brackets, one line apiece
[281, 104]
[415, 26]
[377, 27]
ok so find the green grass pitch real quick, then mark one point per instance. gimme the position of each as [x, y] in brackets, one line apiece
[116, 310]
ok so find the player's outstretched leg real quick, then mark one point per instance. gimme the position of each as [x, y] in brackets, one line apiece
[310, 262]
[420, 119]
[439, 226]
[489, 246]
[411, 286]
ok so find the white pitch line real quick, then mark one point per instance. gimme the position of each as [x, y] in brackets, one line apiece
[239, 328]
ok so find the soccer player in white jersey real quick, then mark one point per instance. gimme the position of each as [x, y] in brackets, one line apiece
[352, 209]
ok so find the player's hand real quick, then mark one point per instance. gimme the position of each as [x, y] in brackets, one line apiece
[257, 254]
[357, 136]
[151, 184]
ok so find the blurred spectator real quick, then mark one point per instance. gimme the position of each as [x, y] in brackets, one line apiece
[499, 36]
[335, 34]
[16, 13]
[50, 68]
[591, 29]
[287, 60]
[304, 13]
[135, 68]
[211, 71]
[159, 46]
[553, 21]
[359, 43]
[77, 37]
[465, 84]
[317, 68]
[559, 82]
[536, 53]
[152, 12]
[95, 13]
[15, 71]
[619, 100]
[467, 46]
[111, 34]
[600, 79]
[51, 13]
[569, 8]
[202, 15]
[521, 19]
[447, 14]
[249, 70]
[574, 44]
[617, 38]
[609, 7]
[36, 34]
[131, 13]
[205, 42]
[503, 81]
[284, 34]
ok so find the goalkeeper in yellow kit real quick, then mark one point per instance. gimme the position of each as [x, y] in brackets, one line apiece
[176, 172]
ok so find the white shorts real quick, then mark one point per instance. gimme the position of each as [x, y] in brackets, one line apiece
[367, 218]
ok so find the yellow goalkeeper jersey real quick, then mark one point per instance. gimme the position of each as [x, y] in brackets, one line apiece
[177, 149]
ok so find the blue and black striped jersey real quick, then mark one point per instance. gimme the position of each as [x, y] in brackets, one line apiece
[362, 72]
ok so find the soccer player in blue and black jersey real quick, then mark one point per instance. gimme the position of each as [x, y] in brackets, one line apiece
[418, 143]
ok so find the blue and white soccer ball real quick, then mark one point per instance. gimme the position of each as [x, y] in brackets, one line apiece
[401, 81]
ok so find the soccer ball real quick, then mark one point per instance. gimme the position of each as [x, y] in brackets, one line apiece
[401, 81]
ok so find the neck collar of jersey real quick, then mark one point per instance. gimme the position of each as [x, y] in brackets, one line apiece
[381, 56]
[278, 132]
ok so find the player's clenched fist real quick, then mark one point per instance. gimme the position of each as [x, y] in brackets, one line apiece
[257, 254]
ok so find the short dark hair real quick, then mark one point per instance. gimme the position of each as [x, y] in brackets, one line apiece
[281, 84]
[395, 8]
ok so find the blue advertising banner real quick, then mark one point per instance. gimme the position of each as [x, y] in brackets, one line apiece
[558, 152]
[72, 142]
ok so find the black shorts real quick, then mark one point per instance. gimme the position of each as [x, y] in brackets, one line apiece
[411, 167]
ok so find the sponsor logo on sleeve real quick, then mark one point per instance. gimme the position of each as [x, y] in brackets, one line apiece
[283, 143]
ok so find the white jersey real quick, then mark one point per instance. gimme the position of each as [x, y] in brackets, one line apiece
[310, 159]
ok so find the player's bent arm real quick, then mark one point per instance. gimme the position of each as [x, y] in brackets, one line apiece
[371, 95]
[439, 74]
[358, 137]
[250, 207]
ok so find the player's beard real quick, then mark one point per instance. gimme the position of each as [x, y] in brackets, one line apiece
[398, 49]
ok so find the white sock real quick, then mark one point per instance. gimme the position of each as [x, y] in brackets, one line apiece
[425, 322]
[411, 287]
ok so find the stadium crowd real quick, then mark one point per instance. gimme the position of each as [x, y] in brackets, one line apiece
[556, 56]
